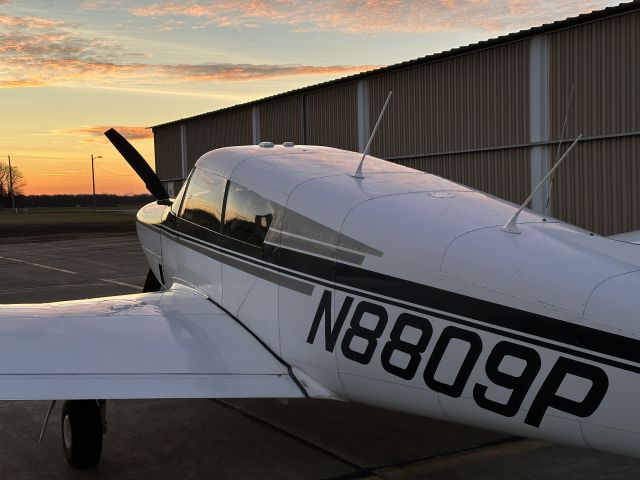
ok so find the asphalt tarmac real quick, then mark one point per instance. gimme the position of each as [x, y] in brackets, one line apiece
[248, 439]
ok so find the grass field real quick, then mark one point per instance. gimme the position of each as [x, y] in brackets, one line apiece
[50, 223]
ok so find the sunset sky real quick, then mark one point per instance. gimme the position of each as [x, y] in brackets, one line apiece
[71, 69]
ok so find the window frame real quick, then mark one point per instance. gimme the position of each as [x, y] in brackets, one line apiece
[186, 187]
[224, 207]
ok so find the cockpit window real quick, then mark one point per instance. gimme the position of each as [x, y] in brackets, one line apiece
[203, 202]
[248, 216]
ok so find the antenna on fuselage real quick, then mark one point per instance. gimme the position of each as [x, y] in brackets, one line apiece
[511, 226]
[564, 125]
[358, 172]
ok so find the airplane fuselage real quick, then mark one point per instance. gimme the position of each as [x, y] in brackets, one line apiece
[400, 290]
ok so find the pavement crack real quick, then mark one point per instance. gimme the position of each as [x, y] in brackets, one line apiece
[432, 462]
[420, 468]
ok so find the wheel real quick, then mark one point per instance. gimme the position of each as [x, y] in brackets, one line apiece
[151, 284]
[81, 433]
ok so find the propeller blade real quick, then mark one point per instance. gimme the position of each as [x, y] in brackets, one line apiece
[138, 163]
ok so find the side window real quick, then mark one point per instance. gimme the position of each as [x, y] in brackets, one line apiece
[247, 215]
[203, 201]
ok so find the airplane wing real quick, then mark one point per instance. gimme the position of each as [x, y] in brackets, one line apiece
[172, 344]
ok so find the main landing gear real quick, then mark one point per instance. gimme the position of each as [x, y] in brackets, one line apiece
[83, 423]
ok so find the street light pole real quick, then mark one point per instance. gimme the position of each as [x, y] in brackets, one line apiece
[93, 181]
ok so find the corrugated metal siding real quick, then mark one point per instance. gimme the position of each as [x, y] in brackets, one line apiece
[603, 59]
[217, 131]
[597, 187]
[281, 121]
[331, 117]
[166, 143]
[503, 173]
[471, 101]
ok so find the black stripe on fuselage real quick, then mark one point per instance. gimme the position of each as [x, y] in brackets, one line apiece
[488, 313]
[480, 314]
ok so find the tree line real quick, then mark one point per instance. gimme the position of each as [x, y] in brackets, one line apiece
[34, 201]
[81, 200]
[7, 178]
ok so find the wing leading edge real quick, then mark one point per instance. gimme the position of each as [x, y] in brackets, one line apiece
[173, 344]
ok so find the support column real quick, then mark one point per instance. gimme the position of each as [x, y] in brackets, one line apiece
[255, 125]
[183, 149]
[539, 118]
[363, 114]
[303, 120]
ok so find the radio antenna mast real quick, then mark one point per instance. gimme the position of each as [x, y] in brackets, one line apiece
[564, 125]
[510, 226]
[358, 172]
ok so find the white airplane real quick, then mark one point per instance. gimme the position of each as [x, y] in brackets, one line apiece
[276, 273]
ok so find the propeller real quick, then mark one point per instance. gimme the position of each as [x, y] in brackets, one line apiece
[139, 164]
[151, 181]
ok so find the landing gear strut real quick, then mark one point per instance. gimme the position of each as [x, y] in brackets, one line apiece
[83, 423]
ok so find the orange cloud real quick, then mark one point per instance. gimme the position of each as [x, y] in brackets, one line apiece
[373, 16]
[100, 4]
[228, 72]
[95, 133]
[37, 72]
[348, 16]
[54, 55]
[21, 83]
[30, 22]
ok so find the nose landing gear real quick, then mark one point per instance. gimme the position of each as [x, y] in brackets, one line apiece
[83, 423]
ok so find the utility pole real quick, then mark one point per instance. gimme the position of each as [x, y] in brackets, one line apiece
[13, 200]
[93, 181]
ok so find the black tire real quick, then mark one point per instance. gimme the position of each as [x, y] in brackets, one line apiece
[81, 430]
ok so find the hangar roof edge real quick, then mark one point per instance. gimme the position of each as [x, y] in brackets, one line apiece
[502, 39]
